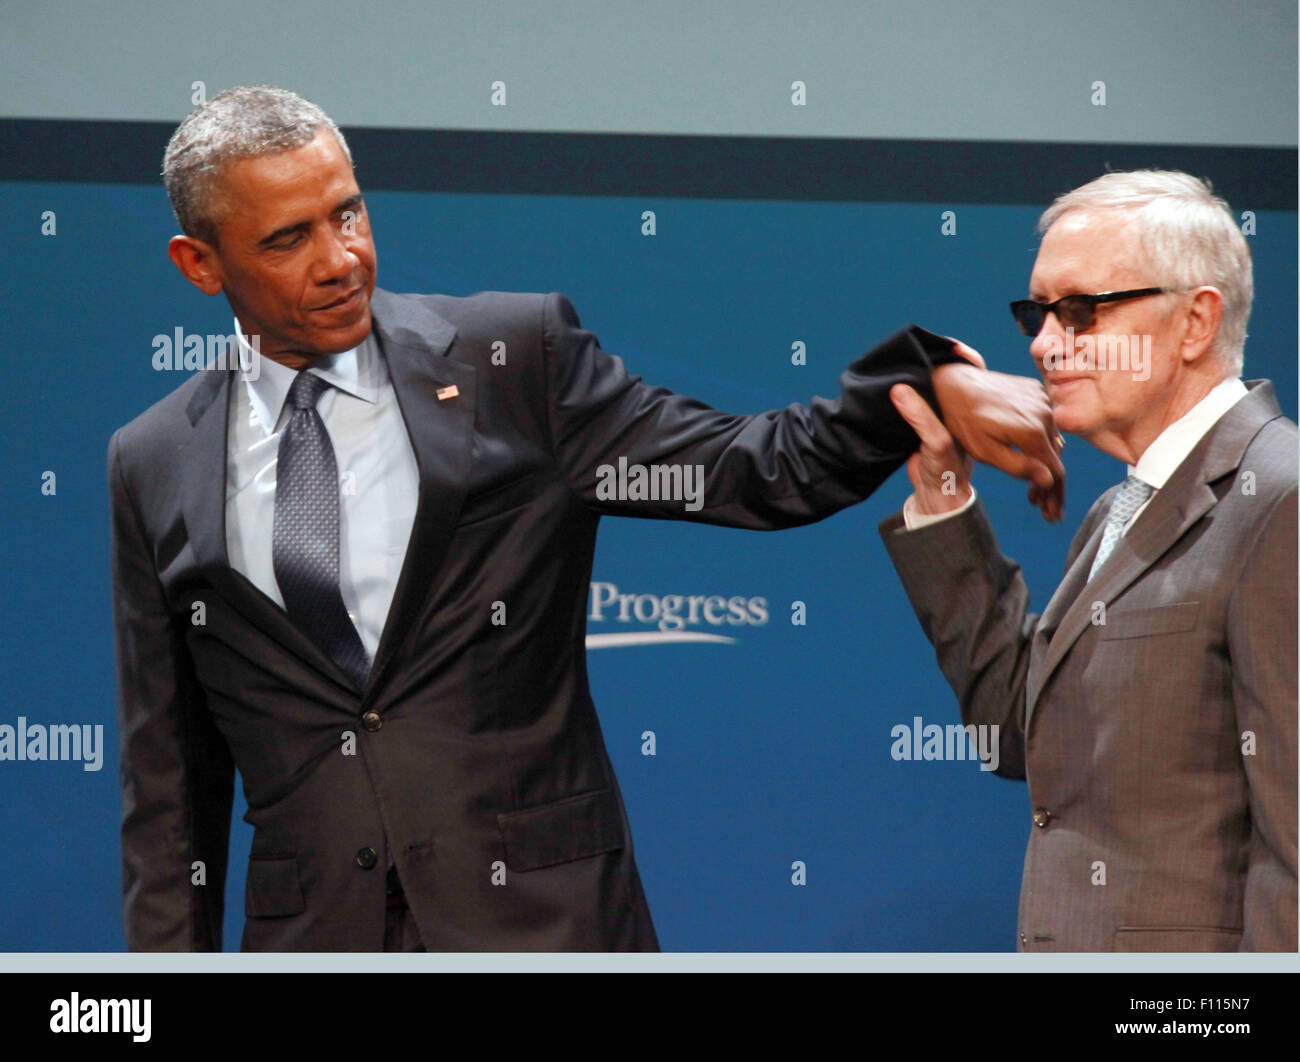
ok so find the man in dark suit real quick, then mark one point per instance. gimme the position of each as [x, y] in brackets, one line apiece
[359, 574]
[1152, 706]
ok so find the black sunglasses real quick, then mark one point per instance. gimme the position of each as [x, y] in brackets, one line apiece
[1073, 311]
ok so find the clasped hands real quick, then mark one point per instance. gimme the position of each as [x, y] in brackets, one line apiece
[996, 418]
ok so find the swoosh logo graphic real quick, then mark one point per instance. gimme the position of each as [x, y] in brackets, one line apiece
[615, 641]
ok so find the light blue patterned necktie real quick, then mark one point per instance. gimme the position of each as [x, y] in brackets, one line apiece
[1132, 495]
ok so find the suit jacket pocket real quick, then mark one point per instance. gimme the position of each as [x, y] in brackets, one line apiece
[272, 889]
[489, 503]
[1176, 938]
[568, 829]
[1145, 622]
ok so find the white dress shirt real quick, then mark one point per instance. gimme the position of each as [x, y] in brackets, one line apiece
[1171, 447]
[1167, 451]
[378, 477]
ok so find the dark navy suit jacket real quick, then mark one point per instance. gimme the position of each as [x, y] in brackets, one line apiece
[477, 749]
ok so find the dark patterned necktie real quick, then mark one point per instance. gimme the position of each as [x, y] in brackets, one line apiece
[305, 535]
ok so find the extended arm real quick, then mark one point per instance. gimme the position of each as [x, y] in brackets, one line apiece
[775, 469]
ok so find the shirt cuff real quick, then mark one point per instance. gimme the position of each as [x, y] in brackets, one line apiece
[915, 520]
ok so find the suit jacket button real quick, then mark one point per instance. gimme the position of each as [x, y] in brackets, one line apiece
[366, 859]
[1042, 817]
[1024, 940]
[372, 720]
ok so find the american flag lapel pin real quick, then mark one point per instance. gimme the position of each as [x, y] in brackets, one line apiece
[445, 393]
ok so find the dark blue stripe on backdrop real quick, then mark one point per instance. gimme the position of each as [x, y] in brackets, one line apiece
[701, 167]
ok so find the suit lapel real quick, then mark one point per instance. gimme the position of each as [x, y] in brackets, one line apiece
[203, 508]
[1076, 578]
[1184, 499]
[414, 341]
[436, 396]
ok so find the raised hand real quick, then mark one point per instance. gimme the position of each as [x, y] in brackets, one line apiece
[940, 470]
[1004, 421]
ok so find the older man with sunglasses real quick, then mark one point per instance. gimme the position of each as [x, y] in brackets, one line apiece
[1152, 706]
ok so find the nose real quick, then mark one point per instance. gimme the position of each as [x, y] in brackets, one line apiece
[334, 258]
[1050, 336]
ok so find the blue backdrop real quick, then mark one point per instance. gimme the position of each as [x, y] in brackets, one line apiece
[771, 749]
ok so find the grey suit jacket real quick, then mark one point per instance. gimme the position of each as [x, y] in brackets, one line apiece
[1152, 710]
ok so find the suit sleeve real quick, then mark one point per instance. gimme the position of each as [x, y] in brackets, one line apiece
[1262, 647]
[973, 606]
[177, 773]
[765, 471]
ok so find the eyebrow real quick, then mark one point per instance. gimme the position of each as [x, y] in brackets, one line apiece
[303, 226]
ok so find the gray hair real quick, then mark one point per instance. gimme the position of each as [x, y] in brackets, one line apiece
[1188, 236]
[240, 123]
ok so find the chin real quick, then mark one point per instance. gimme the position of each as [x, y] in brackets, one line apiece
[1064, 418]
[1070, 421]
[345, 337]
[1071, 425]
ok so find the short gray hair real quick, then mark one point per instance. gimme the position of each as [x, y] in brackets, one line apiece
[1188, 235]
[241, 123]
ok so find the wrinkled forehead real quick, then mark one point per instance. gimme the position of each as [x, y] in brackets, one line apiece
[318, 167]
[1089, 251]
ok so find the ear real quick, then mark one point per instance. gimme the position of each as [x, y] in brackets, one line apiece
[198, 262]
[1203, 319]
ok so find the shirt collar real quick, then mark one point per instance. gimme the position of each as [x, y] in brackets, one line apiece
[357, 371]
[1171, 447]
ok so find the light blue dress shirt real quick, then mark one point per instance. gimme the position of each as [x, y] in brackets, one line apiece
[378, 477]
